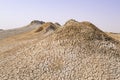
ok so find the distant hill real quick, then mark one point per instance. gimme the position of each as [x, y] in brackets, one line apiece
[74, 51]
[114, 35]
[1, 29]
[12, 32]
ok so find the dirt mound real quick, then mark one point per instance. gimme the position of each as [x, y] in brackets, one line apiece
[46, 27]
[76, 51]
[86, 30]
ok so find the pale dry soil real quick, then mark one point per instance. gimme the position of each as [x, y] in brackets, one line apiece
[58, 56]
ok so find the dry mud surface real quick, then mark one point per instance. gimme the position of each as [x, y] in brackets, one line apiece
[75, 51]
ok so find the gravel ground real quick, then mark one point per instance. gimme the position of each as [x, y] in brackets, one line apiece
[77, 51]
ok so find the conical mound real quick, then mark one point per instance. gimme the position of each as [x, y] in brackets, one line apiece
[49, 26]
[86, 30]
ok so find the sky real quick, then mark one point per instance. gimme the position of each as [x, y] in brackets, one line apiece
[105, 14]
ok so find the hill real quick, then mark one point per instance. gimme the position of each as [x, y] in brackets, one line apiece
[74, 51]
[12, 32]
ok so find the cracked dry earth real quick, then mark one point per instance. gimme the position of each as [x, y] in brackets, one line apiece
[76, 51]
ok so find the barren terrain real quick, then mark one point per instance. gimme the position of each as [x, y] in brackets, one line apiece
[74, 51]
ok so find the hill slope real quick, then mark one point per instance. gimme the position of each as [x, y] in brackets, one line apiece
[12, 32]
[76, 51]
[115, 35]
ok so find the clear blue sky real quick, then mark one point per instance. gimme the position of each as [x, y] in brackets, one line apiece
[103, 13]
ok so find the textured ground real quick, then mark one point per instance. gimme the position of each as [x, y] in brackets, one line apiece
[115, 35]
[76, 51]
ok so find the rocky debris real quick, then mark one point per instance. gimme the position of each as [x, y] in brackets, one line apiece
[88, 30]
[92, 32]
[76, 51]
[37, 22]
